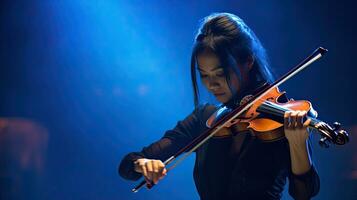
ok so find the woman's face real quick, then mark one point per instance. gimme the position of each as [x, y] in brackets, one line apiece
[214, 79]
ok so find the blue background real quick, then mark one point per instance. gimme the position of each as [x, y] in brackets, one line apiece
[108, 77]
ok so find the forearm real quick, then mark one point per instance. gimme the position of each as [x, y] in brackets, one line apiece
[304, 180]
[300, 157]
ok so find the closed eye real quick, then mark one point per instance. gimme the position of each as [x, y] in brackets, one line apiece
[220, 74]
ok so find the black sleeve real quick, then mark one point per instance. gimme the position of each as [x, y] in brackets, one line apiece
[170, 143]
[306, 185]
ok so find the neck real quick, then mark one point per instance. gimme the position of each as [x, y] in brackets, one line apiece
[250, 90]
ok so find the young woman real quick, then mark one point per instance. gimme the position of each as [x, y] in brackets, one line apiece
[232, 63]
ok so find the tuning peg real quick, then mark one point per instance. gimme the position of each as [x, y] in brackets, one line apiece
[323, 142]
[342, 137]
[336, 126]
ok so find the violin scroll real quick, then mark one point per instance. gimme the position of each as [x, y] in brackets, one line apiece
[334, 134]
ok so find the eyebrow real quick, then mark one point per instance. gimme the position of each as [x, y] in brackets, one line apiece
[214, 69]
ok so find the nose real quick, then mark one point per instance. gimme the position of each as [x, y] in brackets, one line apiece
[212, 83]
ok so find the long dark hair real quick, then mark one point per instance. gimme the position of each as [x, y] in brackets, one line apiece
[228, 37]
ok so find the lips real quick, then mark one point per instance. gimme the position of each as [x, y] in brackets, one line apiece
[218, 94]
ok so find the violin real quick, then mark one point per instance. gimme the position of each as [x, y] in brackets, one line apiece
[265, 120]
[262, 114]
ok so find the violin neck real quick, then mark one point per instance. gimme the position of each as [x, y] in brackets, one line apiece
[277, 113]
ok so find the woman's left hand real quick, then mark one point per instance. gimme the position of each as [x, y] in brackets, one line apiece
[295, 127]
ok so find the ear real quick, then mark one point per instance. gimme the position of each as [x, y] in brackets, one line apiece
[250, 62]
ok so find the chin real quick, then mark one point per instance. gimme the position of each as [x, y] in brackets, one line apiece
[222, 99]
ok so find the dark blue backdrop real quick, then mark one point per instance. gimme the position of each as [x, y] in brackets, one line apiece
[108, 77]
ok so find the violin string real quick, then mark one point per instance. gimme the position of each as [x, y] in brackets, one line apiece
[274, 109]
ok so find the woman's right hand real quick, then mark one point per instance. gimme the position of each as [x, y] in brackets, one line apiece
[153, 170]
